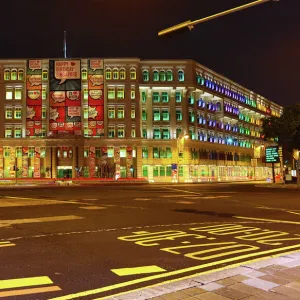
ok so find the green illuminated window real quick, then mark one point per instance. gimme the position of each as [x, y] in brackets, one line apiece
[14, 74]
[155, 76]
[18, 113]
[165, 97]
[121, 93]
[45, 74]
[165, 115]
[166, 133]
[144, 133]
[156, 115]
[133, 74]
[20, 74]
[145, 171]
[121, 112]
[122, 74]
[156, 134]
[108, 74]
[7, 74]
[145, 152]
[155, 97]
[111, 131]
[111, 94]
[144, 97]
[146, 75]
[84, 74]
[8, 113]
[144, 115]
[155, 152]
[162, 76]
[180, 75]
[178, 115]
[111, 112]
[178, 96]
[115, 74]
[18, 93]
[169, 75]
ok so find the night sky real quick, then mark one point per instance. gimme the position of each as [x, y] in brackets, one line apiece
[258, 48]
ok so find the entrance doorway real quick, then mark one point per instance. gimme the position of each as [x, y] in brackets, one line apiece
[64, 172]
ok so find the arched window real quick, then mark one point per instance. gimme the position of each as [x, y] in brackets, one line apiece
[108, 74]
[20, 74]
[169, 75]
[45, 74]
[84, 74]
[115, 74]
[14, 74]
[133, 74]
[155, 76]
[180, 75]
[7, 74]
[123, 74]
[162, 76]
[218, 106]
[145, 75]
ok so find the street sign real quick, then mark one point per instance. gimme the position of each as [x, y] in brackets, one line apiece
[272, 154]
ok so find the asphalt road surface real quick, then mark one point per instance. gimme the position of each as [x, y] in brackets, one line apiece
[101, 241]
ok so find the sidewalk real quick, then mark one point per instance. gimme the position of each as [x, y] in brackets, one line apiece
[280, 186]
[274, 279]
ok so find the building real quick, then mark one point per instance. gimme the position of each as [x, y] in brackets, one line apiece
[101, 118]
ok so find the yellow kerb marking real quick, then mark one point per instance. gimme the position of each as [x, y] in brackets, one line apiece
[138, 270]
[268, 220]
[23, 282]
[288, 249]
[30, 291]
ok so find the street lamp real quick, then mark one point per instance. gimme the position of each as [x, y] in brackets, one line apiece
[180, 150]
[191, 24]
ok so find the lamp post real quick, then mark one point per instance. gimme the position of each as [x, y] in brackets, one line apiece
[191, 24]
[180, 150]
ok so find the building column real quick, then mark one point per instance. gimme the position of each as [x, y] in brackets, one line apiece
[74, 162]
[47, 162]
[139, 162]
[54, 162]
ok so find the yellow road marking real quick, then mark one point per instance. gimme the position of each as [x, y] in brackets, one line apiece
[38, 220]
[177, 272]
[292, 212]
[138, 270]
[93, 207]
[184, 202]
[23, 282]
[30, 291]
[268, 220]
[188, 192]
[6, 244]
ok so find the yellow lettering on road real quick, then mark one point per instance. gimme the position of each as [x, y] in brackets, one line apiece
[150, 235]
[24, 282]
[138, 270]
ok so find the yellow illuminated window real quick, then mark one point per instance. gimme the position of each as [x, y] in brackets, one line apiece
[9, 93]
[85, 93]
[121, 112]
[14, 74]
[133, 74]
[18, 132]
[44, 112]
[108, 74]
[115, 74]
[20, 74]
[44, 93]
[111, 113]
[84, 74]
[133, 132]
[132, 93]
[121, 131]
[111, 134]
[111, 93]
[7, 74]
[18, 113]
[122, 74]
[45, 74]
[8, 132]
[8, 113]
[121, 93]
[85, 112]
[132, 112]
[18, 93]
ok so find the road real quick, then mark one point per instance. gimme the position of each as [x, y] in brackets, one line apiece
[101, 241]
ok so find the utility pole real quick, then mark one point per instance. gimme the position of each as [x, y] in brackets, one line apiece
[65, 44]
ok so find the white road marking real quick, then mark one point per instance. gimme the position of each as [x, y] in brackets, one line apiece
[141, 199]
[93, 207]
[185, 202]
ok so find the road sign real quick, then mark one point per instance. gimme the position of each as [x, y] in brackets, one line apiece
[272, 154]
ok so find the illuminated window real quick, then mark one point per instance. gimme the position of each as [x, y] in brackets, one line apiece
[18, 113]
[122, 74]
[111, 131]
[18, 93]
[20, 74]
[43, 152]
[155, 76]
[85, 112]
[178, 96]
[162, 76]
[44, 93]
[43, 131]
[9, 93]
[121, 112]
[156, 97]
[84, 74]
[111, 94]
[18, 132]
[31, 152]
[165, 115]
[166, 133]
[165, 97]
[144, 132]
[86, 130]
[145, 75]
[122, 152]
[85, 93]
[44, 114]
[144, 115]
[133, 132]
[7, 74]
[156, 133]
[14, 74]
[115, 74]
[111, 113]
[180, 75]
[8, 132]
[121, 93]
[178, 115]
[156, 115]
[8, 113]
[108, 74]
[121, 131]
[6, 151]
[132, 93]
[132, 112]
[144, 97]
[169, 75]
[132, 74]
[45, 74]
[19, 152]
